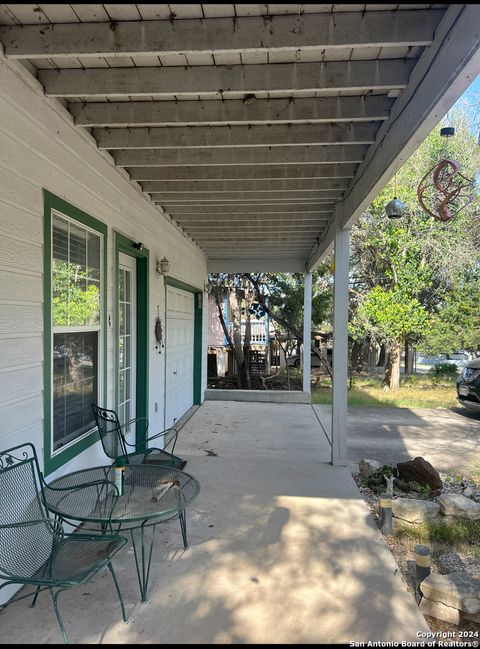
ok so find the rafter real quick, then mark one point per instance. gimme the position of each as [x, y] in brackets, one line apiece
[264, 172]
[234, 111]
[296, 155]
[281, 186]
[333, 76]
[323, 30]
[278, 209]
[221, 136]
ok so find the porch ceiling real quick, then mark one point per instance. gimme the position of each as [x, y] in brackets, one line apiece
[252, 127]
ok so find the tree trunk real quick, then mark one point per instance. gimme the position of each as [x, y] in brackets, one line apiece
[246, 342]
[288, 327]
[381, 356]
[237, 353]
[408, 358]
[391, 378]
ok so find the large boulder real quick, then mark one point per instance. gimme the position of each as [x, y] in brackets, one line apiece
[414, 511]
[367, 467]
[421, 471]
[459, 506]
[440, 611]
[456, 589]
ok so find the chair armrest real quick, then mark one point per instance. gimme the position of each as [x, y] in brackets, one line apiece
[55, 526]
[135, 421]
[85, 485]
[163, 433]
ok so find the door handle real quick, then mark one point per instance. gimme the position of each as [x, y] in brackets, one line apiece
[175, 372]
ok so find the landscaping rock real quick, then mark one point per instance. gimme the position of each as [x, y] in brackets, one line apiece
[459, 506]
[367, 467]
[440, 611]
[401, 485]
[414, 511]
[456, 589]
[468, 492]
[421, 471]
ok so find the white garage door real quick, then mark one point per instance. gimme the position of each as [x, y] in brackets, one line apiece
[179, 356]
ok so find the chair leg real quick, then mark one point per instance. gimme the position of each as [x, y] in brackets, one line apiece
[57, 612]
[183, 525]
[110, 567]
[34, 600]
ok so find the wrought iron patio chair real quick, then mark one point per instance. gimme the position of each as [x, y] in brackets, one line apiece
[115, 444]
[34, 548]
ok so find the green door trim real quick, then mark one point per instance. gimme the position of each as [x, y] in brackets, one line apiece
[53, 202]
[128, 246]
[197, 334]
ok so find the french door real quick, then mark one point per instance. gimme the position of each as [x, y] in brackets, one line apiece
[127, 342]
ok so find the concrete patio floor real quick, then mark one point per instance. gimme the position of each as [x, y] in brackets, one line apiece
[282, 550]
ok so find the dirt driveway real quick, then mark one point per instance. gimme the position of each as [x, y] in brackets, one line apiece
[448, 438]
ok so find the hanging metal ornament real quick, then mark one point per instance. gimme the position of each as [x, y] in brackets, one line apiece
[443, 192]
[395, 209]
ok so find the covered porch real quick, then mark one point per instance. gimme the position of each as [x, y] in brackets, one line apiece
[222, 139]
[282, 550]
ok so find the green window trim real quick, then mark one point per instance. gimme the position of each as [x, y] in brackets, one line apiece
[197, 335]
[126, 245]
[52, 462]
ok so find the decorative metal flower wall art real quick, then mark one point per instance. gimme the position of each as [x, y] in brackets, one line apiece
[443, 192]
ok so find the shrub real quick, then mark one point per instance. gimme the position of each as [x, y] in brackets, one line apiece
[410, 379]
[443, 371]
[376, 481]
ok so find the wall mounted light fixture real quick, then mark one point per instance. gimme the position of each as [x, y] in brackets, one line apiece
[163, 267]
[139, 245]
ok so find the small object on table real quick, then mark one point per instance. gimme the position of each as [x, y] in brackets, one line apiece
[161, 491]
[119, 474]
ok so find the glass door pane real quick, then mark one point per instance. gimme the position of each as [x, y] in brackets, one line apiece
[127, 342]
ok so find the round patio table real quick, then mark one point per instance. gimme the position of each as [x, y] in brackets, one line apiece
[151, 494]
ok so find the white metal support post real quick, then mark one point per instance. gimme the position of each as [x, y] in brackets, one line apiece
[340, 348]
[307, 333]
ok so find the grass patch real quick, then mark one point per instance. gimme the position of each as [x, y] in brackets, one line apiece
[415, 392]
[461, 535]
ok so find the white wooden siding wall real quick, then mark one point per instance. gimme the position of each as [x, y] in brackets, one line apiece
[40, 148]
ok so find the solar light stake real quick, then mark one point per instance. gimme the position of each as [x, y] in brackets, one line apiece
[422, 567]
[385, 505]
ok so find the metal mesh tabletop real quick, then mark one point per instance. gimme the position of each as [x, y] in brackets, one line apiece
[150, 492]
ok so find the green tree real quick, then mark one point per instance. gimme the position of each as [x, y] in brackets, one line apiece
[387, 316]
[455, 324]
[239, 297]
[282, 297]
[416, 261]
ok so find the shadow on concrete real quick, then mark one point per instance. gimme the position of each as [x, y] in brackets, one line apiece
[283, 550]
[448, 438]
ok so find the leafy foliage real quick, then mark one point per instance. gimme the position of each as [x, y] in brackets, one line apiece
[76, 300]
[385, 315]
[443, 371]
[416, 278]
